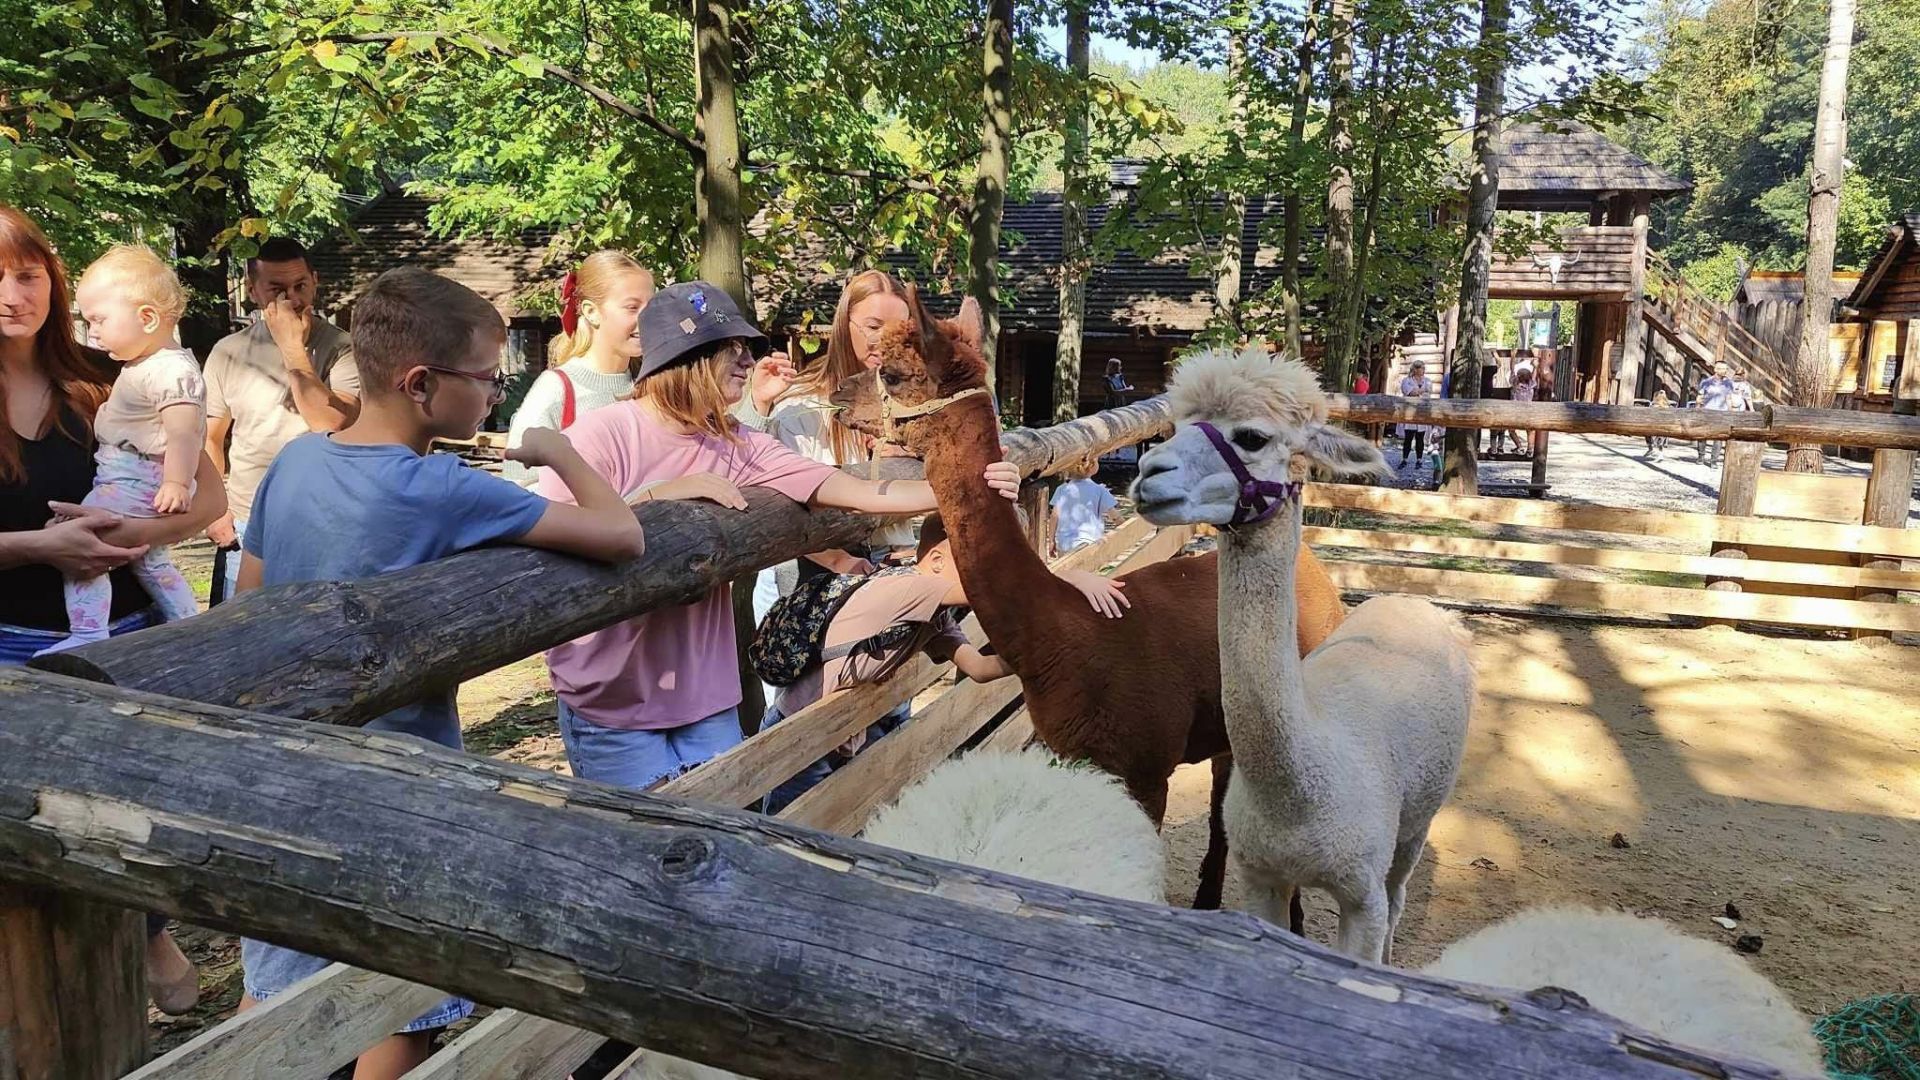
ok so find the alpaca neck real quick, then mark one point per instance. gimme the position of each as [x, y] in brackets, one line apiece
[1263, 689]
[1007, 583]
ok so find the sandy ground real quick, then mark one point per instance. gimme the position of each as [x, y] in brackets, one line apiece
[1779, 775]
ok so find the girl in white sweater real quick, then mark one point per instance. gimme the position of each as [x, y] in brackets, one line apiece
[591, 364]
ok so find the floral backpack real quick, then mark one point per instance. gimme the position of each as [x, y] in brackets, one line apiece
[792, 638]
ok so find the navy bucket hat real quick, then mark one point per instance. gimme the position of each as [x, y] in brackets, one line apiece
[681, 318]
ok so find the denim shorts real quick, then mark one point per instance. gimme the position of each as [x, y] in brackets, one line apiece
[640, 759]
[18, 644]
[271, 969]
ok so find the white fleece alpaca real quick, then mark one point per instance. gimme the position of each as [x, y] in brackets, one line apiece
[1341, 759]
[1646, 973]
[1024, 814]
[1019, 814]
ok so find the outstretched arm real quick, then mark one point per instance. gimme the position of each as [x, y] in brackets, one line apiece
[902, 496]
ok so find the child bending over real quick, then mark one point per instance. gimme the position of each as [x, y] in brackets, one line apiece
[149, 429]
[370, 498]
[884, 623]
[647, 699]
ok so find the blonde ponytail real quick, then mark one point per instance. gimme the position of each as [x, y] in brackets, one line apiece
[593, 282]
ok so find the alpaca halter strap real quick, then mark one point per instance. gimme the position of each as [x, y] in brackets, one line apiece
[892, 411]
[1253, 506]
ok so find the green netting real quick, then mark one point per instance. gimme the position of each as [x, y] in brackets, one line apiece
[1876, 1038]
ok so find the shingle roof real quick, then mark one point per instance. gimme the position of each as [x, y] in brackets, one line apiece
[1564, 159]
[392, 231]
[1903, 233]
[1787, 286]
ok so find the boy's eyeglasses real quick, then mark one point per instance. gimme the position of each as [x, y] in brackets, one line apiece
[497, 378]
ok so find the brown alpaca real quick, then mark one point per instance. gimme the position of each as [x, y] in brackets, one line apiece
[1136, 696]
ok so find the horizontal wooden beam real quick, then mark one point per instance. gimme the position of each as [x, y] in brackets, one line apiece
[1666, 562]
[1702, 529]
[1621, 598]
[1769, 423]
[716, 936]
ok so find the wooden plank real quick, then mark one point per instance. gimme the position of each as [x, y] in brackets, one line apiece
[1812, 496]
[1621, 598]
[317, 1025]
[1739, 490]
[1893, 578]
[1111, 548]
[1672, 525]
[843, 802]
[1769, 423]
[1013, 734]
[511, 1045]
[1889, 493]
[1165, 545]
[73, 991]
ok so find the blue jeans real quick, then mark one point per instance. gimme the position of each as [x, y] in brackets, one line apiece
[18, 644]
[267, 970]
[806, 779]
[641, 759]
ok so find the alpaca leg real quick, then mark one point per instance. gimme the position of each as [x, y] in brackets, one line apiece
[1406, 856]
[1269, 896]
[1363, 922]
[1213, 868]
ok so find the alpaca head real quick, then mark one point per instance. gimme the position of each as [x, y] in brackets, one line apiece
[1271, 413]
[919, 361]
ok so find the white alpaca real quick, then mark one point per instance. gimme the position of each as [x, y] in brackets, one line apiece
[1024, 814]
[1340, 759]
[1646, 973]
[1028, 815]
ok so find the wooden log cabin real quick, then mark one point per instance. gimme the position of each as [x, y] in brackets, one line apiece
[1884, 311]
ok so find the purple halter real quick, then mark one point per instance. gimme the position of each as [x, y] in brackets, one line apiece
[1253, 506]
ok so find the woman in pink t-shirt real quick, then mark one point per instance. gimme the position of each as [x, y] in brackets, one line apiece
[650, 698]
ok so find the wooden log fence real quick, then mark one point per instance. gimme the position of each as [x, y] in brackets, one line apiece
[1769, 423]
[717, 936]
[737, 778]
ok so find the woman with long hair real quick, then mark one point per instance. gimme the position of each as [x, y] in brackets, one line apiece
[50, 388]
[591, 364]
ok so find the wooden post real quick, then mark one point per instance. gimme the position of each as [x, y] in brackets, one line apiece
[1889, 490]
[1035, 504]
[73, 987]
[296, 833]
[1739, 484]
[1633, 345]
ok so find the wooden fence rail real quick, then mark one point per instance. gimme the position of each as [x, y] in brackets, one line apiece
[717, 936]
[1769, 423]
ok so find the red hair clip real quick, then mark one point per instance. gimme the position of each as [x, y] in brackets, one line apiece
[569, 303]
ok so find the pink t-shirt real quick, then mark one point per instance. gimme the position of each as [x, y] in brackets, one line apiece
[671, 667]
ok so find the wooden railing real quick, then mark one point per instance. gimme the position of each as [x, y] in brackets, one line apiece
[1715, 333]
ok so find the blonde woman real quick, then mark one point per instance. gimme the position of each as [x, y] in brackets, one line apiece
[591, 364]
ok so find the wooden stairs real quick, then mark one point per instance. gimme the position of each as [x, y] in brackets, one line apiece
[1706, 334]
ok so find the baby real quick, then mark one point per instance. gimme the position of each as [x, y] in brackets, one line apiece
[150, 428]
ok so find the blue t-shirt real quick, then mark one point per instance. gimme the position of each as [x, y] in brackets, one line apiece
[328, 511]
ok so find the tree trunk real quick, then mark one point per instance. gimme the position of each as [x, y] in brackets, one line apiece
[1352, 314]
[1461, 472]
[716, 174]
[712, 934]
[1336, 371]
[990, 185]
[1291, 209]
[1812, 371]
[1070, 347]
[1233, 225]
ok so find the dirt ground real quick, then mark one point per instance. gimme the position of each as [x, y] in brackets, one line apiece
[1781, 775]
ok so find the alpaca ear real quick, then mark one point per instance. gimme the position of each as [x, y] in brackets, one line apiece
[971, 322]
[929, 333]
[1337, 455]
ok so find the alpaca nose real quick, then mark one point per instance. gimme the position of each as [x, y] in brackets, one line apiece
[1153, 464]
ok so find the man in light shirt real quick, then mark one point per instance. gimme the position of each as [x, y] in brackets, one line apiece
[288, 373]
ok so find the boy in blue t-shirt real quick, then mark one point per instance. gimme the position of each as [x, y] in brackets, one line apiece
[370, 498]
